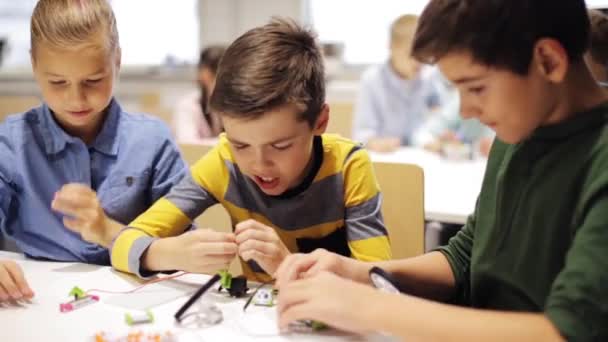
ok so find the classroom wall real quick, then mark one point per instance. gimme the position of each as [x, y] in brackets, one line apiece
[224, 20]
[156, 89]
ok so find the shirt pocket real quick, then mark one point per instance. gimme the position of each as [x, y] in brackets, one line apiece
[126, 195]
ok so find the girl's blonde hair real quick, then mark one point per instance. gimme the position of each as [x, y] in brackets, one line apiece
[403, 30]
[66, 23]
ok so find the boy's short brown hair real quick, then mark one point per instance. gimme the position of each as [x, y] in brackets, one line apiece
[598, 49]
[270, 66]
[500, 34]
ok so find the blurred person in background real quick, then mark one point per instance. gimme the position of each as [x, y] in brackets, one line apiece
[192, 120]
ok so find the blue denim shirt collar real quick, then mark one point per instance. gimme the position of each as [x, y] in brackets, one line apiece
[56, 138]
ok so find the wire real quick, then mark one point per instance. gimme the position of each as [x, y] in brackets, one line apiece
[257, 288]
[150, 282]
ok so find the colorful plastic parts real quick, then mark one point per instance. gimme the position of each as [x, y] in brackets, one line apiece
[236, 286]
[136, 336]
[77, 292]
[78, 303]
[263, 297]
[225, 279]
[139, 318]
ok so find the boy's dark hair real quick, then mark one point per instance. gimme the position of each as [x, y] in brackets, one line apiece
[598, 49]
[210, 57]
[500, 33]
[268, 67]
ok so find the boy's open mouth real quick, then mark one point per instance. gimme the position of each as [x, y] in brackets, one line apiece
[267, 183]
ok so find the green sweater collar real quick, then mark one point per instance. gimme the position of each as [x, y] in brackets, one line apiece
[576, 124]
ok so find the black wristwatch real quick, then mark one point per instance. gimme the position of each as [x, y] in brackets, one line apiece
[384, 281]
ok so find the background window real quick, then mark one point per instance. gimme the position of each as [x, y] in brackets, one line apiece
[151, 32]
[361, 26]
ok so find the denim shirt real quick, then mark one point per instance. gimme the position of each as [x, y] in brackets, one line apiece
[132, 162]
[389, 106]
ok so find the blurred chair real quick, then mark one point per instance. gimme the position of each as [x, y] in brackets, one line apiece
[402, 187]
[215, 217]
[11, 104]
[341, 119]
[150, 103]
[193, 152]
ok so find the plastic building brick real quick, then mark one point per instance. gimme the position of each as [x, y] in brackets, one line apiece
[236, 286]
[77, 292]
[78, 303]
[264, 297]
[139, 318]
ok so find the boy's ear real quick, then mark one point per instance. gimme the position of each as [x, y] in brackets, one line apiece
[322, 120]
[118, 58]
[551, 59]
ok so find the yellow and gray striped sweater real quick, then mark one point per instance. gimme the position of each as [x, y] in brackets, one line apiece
[337, 209]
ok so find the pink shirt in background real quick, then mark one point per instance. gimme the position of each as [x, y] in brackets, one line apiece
[189, 124]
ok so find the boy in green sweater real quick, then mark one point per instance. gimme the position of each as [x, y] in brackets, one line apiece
[532, 261]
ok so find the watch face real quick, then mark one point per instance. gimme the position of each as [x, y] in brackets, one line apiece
[382, 281]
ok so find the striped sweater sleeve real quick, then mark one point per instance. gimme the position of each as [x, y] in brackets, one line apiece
[172, 214]
[367, 236]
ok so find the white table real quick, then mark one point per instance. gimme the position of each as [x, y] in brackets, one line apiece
[450, 187]
[41, 320]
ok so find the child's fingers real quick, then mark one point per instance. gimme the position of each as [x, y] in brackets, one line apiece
[285, 272]
[260, 246]
[208, 235]
[266, 262]
[250, 225]
[74, 225]
[219, 248]
[256, 234]
[252, 254]
[10, 289]
[19, 278]
[211, 264]
[73, 204]
[77, 188]
[291, 270]
[3, 294]
[293, 294]
[65, 207]
[75, 193]
[216, 259]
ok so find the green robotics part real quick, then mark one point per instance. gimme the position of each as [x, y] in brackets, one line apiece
[225, 279]
[77, 292]
[139, 318]
[318, 326]
[236, 286]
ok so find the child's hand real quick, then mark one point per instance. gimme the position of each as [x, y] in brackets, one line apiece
[260, 243]
[433, 146]
[449, 136]
[298, 266]
[84, 213]
[12, 282]
[203, 251]
[327, 298]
